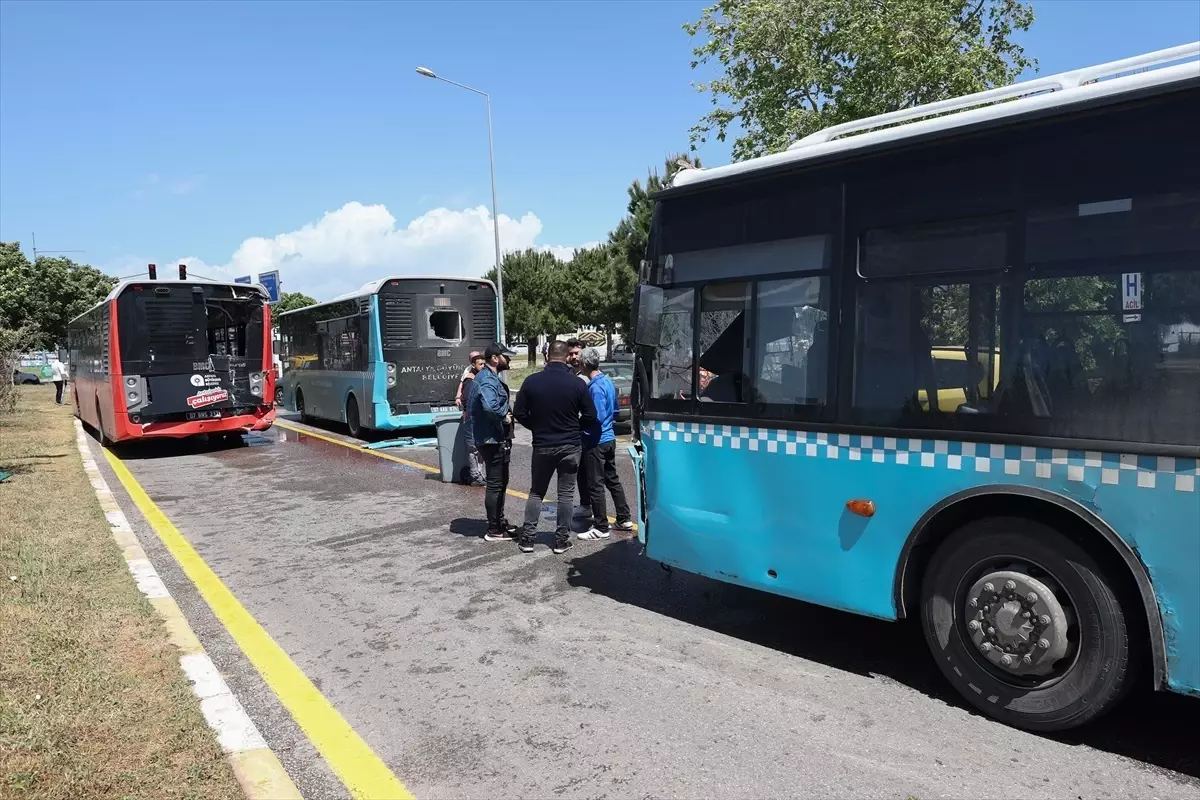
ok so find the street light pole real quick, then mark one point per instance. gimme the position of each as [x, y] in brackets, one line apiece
[428, 73]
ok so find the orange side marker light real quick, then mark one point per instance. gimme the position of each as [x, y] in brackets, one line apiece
[864, 508]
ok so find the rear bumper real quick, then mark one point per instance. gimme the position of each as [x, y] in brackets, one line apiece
[260, 420]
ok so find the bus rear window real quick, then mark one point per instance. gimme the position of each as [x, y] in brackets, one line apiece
[446, 325]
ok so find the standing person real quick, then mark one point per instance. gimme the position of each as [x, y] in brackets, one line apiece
[60, 379]
[491, 426]
[556, 407]
[600, 453]
[545, 350]
[467, 390]
[470, 372]
[583, 511]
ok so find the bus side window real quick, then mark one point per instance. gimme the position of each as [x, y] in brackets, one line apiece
[791, 341]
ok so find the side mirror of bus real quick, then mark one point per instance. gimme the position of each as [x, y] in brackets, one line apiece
[649, 310]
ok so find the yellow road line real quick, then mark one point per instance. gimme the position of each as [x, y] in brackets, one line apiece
[388, 456]
[364, 773]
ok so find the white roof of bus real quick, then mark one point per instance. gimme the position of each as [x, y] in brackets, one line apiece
[124, 282]
[1028, 98]
[374, 286]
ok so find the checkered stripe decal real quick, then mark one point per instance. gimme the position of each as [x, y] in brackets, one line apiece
[1094, 467]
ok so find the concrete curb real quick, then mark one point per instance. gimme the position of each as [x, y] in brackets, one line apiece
[258, 770]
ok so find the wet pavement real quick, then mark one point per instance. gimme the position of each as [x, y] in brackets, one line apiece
[476, 671]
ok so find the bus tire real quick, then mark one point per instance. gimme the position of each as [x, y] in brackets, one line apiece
[104, 440]
[1086, 648]
[352, 417]
[300, 407]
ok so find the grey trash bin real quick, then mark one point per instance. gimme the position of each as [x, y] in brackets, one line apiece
[452, 449]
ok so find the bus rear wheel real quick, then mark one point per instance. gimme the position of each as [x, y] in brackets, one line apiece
[1025, 624]
[104, 440]
[300, 406]
[352, 419]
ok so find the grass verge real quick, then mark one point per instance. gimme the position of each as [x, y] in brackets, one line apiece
[93, 703]
[518, 374]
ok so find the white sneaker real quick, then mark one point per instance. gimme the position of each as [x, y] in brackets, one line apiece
[624, 526]
[591, 535]
[582, 512]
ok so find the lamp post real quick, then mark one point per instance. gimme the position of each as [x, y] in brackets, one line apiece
[428, 73]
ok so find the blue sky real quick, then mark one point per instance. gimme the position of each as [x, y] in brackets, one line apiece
[224, 133]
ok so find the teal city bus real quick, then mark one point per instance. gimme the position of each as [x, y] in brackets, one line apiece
[387, 357]
[939, 364]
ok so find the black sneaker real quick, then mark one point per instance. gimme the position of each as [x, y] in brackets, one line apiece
[512, 529]
[562, 545]
[500, 535]
[525, 546]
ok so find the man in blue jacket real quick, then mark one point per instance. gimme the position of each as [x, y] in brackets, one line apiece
[600, 453]
[491, 428]
[555, 405]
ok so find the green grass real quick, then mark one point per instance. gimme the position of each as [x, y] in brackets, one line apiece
[93, 703]
[518, 374]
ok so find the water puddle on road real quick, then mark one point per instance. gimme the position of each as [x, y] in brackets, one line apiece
[331, 451]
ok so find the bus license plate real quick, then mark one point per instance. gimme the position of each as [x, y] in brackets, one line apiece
[443, 409]
[214, 414]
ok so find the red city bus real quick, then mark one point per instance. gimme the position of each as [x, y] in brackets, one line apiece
[174, 358]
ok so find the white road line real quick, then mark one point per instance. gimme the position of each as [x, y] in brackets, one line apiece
[236, 732]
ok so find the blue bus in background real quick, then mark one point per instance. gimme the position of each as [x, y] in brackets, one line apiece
[933, 370]
[387, 357]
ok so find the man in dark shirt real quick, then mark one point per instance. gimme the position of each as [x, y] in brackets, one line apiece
[556, 406]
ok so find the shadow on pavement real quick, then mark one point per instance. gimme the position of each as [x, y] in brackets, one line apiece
[1153, 727]
[151, 449]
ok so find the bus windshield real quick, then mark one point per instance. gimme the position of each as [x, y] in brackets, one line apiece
[170, 328]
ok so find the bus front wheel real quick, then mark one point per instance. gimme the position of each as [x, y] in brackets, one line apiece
[1025, 624]
[352, 419]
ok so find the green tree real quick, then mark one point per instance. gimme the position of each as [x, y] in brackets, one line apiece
[627, 242]
[599, 290]
[534, 296]
[290, 301]
[633, 231]
[792, 67]
[47, 295]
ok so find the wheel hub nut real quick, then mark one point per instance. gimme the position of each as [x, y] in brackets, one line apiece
[1024, 629]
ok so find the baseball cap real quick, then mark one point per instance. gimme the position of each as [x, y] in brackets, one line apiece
[497, 349]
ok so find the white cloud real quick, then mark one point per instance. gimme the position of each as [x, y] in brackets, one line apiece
[358, 243]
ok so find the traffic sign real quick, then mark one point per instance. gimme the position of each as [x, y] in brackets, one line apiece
[270, 282]
[1131, 291]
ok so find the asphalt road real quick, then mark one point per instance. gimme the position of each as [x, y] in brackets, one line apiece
[476, 671]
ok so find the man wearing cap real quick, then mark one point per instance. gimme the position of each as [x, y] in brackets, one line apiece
[556, 407]
[491, 425]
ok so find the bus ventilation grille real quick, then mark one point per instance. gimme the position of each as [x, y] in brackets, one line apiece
[397, 321]
[483, 320]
